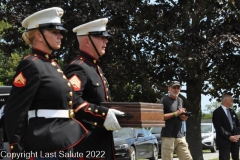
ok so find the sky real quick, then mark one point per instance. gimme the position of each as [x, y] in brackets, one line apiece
[205, 101]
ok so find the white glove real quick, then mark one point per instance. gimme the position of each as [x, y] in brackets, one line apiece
[111, 122]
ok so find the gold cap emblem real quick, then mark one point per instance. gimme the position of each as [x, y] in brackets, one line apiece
[60, 13]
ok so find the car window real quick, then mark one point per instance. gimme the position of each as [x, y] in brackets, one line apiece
[206, 128]
[123, 133]
[155, 130]
[138, 131]
[146, 132]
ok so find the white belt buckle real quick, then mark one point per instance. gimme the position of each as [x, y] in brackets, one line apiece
[71, 113]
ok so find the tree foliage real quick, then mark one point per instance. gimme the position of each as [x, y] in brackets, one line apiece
[8, 69]
[238, 114]
[209, 108]
[207, 116]
[195, 42]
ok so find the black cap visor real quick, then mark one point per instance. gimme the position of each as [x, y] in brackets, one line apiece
[51, 26]
[99, 33]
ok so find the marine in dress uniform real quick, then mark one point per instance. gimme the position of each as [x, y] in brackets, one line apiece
[91, 88]
[39, 115]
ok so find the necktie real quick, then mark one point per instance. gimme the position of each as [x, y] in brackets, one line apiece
[229, 118]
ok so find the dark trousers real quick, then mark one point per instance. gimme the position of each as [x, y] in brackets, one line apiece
[98, 142]
[224, 152]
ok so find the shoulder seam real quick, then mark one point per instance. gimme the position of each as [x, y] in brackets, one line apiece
[33, 58]
[81, 61]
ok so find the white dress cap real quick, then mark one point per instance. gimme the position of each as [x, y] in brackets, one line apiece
[49, 18]
[96, 28]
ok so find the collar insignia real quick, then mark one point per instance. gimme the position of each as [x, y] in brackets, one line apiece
[47, 56]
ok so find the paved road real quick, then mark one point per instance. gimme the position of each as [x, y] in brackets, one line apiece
[209, 155]
[206, 156]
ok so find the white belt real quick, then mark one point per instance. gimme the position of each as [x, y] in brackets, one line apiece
[51, 113]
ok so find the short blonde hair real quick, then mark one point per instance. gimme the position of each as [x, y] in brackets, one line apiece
[29, 36]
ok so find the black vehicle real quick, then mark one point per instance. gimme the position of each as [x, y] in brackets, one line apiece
[4, 94]
[135, 143]
[156, 131]
[4, 146]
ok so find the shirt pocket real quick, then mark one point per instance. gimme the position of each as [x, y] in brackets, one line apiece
[96, 82]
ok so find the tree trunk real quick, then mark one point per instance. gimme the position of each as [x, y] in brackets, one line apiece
[193, 104]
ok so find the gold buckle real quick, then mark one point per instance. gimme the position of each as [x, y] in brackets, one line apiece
[71, 113]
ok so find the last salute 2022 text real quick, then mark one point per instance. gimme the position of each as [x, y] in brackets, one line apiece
[60, 154]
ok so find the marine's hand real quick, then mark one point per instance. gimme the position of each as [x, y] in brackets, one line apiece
[111, 122]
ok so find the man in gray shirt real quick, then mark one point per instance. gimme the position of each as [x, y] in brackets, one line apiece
[172, 136]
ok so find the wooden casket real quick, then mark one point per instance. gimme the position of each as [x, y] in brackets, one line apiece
[138, 114]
